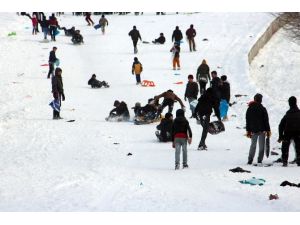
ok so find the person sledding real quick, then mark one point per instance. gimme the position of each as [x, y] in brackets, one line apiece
[119, 113]
[146, 114]
[69, 32]
[96, 83]
[164, 129]
[77, 38]
[161, 40]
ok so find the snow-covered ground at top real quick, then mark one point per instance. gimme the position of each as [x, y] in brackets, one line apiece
[48, 165]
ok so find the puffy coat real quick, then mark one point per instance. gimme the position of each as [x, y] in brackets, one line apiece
[257, 119]
[290, 123]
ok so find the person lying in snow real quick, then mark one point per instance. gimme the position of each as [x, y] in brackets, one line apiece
[146, 113]
[96, 83]
[77, 38]
[119, 113]
[69, 32]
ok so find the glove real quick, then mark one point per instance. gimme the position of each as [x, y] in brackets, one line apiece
[189, 141]
[63, 97]
[268, 133]
[249, 134]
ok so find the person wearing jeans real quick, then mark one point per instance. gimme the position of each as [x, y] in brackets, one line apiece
[181, 135]
[257, 127]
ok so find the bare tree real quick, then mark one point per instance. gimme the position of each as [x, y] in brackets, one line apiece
[291, 21]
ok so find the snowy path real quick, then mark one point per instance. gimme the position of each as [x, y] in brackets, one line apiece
[50, 165]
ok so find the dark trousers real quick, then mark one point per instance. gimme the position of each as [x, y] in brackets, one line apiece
[89, 20]
[192, 44]
[51, 69]
[202, 87]
[286, 145]
[138, 78]
[134, 45]
[204, 121]
[52, 32]
[165, 103]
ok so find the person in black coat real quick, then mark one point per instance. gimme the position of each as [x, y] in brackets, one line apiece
[135, 36]
[177, 35]
[164, 129]
[96, 83]
[257, 127]
[206, 103]
[45, 26]
[120, 112]
[289, 129]
[191, 91]
[191, 33]
[181, 135]
[69, 32]
[215, 85]
[160, 40]
[58, 90]
[77, 38]
[52, 60]
[225, 97]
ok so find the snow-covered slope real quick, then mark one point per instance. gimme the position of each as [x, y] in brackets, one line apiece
[48, 165]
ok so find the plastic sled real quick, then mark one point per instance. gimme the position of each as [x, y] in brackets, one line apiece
[216, 127]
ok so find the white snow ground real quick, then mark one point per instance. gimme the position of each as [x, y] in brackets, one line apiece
[48, 165]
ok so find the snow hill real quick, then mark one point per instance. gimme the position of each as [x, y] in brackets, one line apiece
[48, 165]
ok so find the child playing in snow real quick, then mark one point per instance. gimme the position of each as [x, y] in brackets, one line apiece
[176, 50]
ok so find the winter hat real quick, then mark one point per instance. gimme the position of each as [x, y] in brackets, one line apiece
[168, 115]
[258, 98]
[190, 76]
[292, 101]
[223, 77]
[135, 59]
[134, 27]
[116, 103]
[180, 113]
[94, 75]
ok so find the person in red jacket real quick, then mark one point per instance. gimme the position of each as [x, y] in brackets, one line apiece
[34, 24]
[190, 34]
[53, 26]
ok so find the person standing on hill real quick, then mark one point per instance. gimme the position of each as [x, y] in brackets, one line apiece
[45, 27]
[176, 56]
[225, 97]
[103, 23]
[137, 69]
[177, 36]
[135, 36]
[191, 33]
[191, 92]
[181, 135]
[53, 26]
[203, 76]
[34, 24]
[257, 127]
[52, 60]
[88, 18]
[58, 91]
[289, 129]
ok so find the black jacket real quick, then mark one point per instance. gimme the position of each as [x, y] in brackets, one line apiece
[44, 23]
[257, 119]
[191, 90]
[215, 85]
[177, 35]
[190, 33]
[160, 40]
[52, 57]
[94, 82]
[165, 128]
[121, 110]
[225, 91]
[57, 85]
[203, 72]
[181, 125]
[290, 123]
[135, 35]
[206, 103]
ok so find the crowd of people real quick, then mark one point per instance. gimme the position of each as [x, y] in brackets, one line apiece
[213, 91]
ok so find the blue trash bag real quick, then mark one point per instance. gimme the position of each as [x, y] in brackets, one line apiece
[223, 108]
[55, 105]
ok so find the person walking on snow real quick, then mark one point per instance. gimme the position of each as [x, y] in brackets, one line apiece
[191, 33]
[289, 129]
[203, 111]
[34, 24]
[191, 92]
[257, 127]
[52, 61]
[137, 69]
[225, 97]
[58, 91]
[203, 76]
[177, 36]
[103, 23]
[88, 18]
[176, 56]
[53, 26]
[45, 27]
[135, 36]
[181, 135]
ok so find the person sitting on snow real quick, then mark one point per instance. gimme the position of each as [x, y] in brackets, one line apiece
[164, 129]
[120, 112]
[69, 32]
[160, 40]
[77, 38]
[147, 112]
[96, 83]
